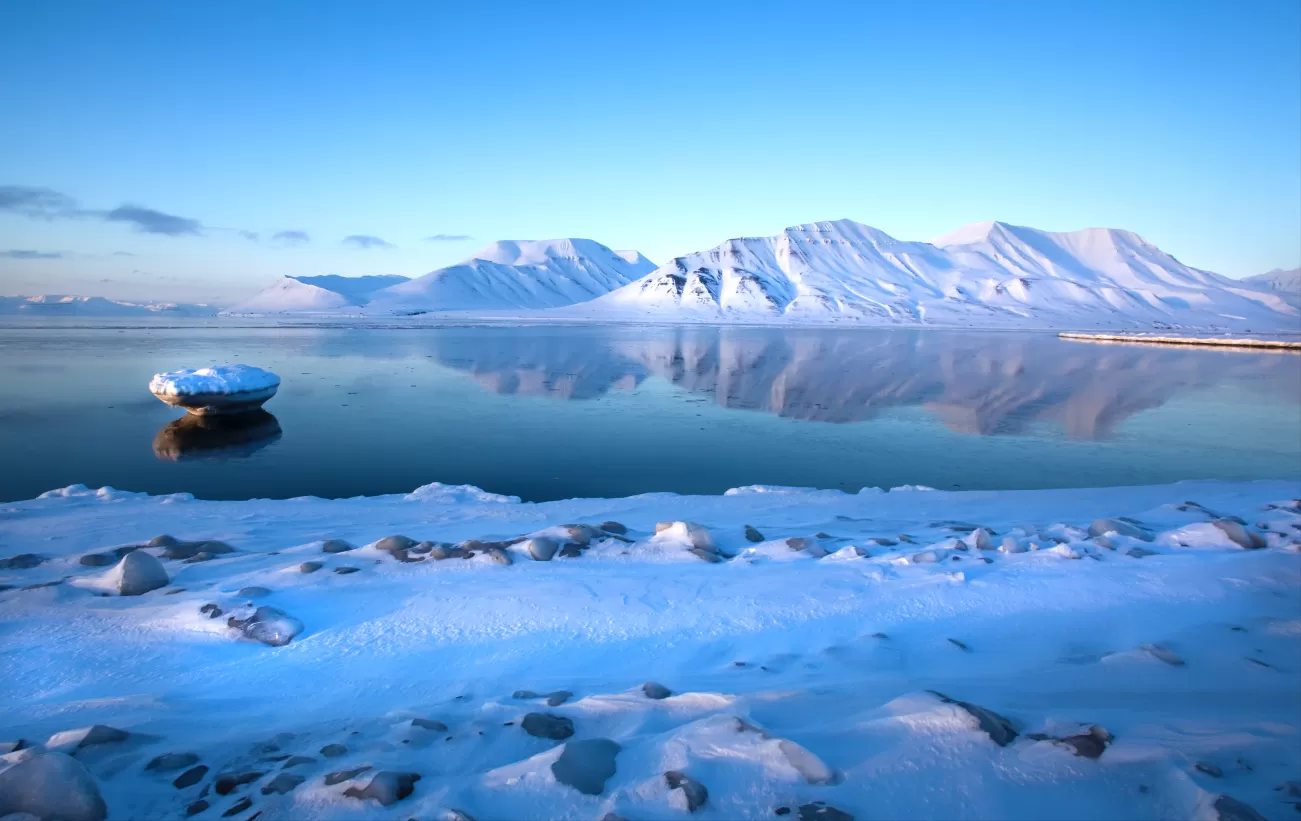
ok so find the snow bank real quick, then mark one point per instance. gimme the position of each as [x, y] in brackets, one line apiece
[763, 654]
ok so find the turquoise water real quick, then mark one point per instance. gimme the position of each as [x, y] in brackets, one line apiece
[554, 412]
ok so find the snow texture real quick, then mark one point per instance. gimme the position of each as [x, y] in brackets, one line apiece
[218, 379]
[1063, 675]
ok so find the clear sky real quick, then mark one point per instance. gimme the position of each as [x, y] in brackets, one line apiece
[168, 134]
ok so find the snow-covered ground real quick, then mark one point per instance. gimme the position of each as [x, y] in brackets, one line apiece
[902, 654]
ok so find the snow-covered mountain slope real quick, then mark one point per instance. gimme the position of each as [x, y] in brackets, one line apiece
[65, 305]
[318, 294]
[517, 275]
[1287, 283]
[987, 274]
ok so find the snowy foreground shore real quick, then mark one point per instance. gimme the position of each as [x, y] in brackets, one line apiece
[798, 654]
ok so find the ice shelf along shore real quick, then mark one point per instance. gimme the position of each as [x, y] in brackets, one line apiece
[1205, 341]
[1123, 653]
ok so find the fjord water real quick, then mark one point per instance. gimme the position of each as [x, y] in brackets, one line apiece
[550, 412]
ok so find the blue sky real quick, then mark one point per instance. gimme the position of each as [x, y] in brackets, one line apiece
[666, 127]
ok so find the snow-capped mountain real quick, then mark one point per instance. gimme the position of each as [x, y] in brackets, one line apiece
[316, 294]
[517, 275]
[69, 305]
[1287, 283]
[988, 274]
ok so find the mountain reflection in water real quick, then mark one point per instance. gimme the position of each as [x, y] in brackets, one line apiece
[984, 384]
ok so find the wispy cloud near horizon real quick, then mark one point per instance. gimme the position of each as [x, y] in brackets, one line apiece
[366, 241]
[289, 238]
[45, 203]
[25, 254]
[149, 221]
[448, 238]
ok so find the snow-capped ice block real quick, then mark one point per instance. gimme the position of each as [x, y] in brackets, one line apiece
[216, 390]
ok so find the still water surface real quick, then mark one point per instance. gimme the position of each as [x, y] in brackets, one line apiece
[554, 412]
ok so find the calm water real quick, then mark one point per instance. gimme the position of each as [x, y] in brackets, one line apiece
[555, 412]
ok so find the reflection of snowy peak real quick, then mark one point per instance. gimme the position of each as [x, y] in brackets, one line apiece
[984, 274]
[60, 305]
[315, 294]
[524, 274]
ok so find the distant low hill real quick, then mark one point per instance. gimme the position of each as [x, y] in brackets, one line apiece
[1287, 283]
[66, 305]
[315, 294]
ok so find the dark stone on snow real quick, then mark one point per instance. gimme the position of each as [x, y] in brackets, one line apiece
[344, 570]
[340, 776]
[296, 760]
[162, 541]
[1231, 809]
[443, 551]
[546, 725]
[694, 791]
[386, 787]
[996, 726]
[572, 550]
[196, 807]
[228, 783]
[98, 560]
[23, 561]
[614, 527]
[960, 645]
[498, 555]
[238, 807]
[1090, 744]
[211, 610]
[585, 765]
[189, 550]
[655, 690]
[1209, 769]
[1239, 535]
[333, 750]
[282, 783]
[429, 724]
[336, 546]
[782, 811]
[269, 625]
[190, 777]
[309, 567]
[170, 762]
[752, 535]
[253, 592]
[820, 811]
[705, 555]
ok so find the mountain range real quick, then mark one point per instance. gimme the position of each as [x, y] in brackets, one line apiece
[988, 274]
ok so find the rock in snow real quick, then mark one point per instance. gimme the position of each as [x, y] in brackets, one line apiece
[545, 725]
[692, 790]
[138, 573]
[656, 690]
[585, 765]
[1239, 535]
[386, 787]
[994, 725]
[541, 548]
[269, 625]
[51, 786]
